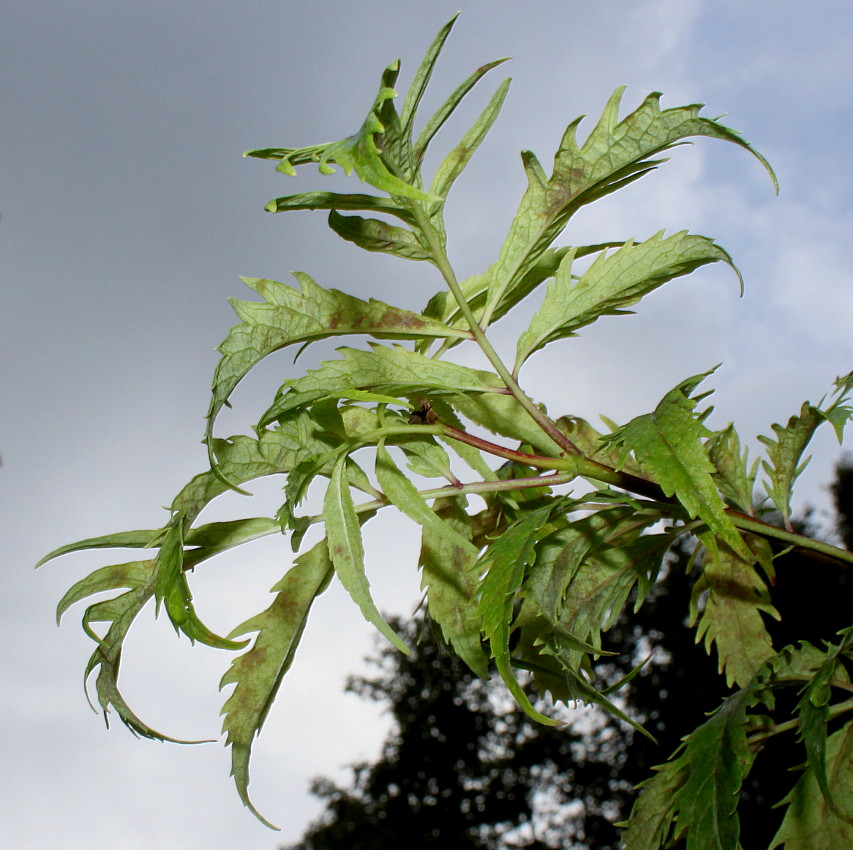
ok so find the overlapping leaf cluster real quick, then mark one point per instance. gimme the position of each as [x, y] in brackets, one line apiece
[530, 584]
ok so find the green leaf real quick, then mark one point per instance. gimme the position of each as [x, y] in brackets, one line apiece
[734, 477]
[435, 123]
[119, 612]
[456, 161]
[813, 709]
[504, 563]
[424, 456]
[810, 823]
[258, 672]
[614, 154]
[784, 455]
[336, 201]
[405, 496]
[696, 794]
[612, 283]
[731, 618]
[375, 235]
[343, 534]
[668, 443]
[358, 153]
[478, 395]
[585, 572]
[290, 316]
[785, 452]
[122, 540]
[450, 581]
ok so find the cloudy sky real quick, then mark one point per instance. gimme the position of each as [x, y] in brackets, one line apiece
[127, 216]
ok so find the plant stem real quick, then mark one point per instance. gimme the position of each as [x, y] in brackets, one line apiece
[443, 264]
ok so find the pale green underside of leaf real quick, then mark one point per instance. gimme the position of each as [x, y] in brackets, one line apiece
[259, 671]
[451, 582]
[731, 619]
[809, 822]
[615, 153]
[478, 395]
[669, 444]
[346, 549]
[614, 282]
[290, 316]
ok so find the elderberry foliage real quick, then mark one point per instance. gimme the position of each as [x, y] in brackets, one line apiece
[529, 585]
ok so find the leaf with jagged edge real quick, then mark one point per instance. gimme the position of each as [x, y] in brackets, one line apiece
[810, 822]
[449, 577]
[258, 672]
[290, 316]
[478, 395]
[734, 476]
[358, 153]
[614, 282]
[584, 573]
[346, 549]
[785, 452]
[120, 611]
[813, 710]
[371, 234]
[652, 817]
[669, 444]
[504, 564]
[731, 618]
[239, 459]
[139, 577]
[614, 154]
[695, 795]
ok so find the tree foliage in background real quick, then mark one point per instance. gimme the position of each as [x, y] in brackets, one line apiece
[504, 783]
[528, 579]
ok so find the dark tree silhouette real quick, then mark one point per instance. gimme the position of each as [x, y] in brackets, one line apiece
[464, 768]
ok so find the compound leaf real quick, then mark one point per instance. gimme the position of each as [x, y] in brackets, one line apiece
[612, 283]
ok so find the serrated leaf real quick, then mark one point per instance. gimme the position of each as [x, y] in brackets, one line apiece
[809, 822]
[358, 153]
[614, 154]
[813, 710]
[504, 563]
[593, 444]
[669, 444]
[734, 476]
[731, 619]
[119, 612]
[612, 283]
[585, 572]
[258, 672]
[785, 453]
[478, 395]
[424, 456]
[375, 235]
[450, 581]
[652, 817]
[343, 535]
[290, 316]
